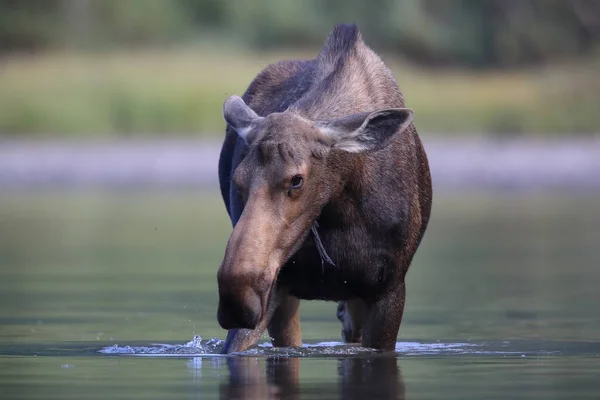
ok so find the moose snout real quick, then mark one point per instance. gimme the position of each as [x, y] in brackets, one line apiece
[245, 279]
[239, 310]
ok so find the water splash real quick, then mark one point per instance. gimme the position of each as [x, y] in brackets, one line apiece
[194, 347]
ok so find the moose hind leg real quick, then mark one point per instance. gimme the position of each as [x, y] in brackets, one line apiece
[352, 314]
[383, 319]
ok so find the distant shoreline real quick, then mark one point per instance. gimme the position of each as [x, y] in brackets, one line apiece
[457, 163]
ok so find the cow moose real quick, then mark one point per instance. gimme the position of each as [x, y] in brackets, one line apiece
[328, 188]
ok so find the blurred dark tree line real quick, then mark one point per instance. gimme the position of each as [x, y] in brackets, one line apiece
[478, 33]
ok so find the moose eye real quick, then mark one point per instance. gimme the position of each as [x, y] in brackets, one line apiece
[296, 182]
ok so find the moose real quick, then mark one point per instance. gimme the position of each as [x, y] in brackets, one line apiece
[328, 189]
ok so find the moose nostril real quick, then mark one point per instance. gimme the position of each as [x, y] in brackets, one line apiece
[240, 310]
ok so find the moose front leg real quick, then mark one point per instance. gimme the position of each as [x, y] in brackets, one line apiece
[383, 318]
[284, 328]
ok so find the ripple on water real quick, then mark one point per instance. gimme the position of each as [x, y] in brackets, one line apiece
[199, 347]
[212, 347]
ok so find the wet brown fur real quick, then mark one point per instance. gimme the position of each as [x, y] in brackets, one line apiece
[372, 207]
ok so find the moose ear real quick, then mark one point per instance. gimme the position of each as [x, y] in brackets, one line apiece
[366, 131]
[240, 117]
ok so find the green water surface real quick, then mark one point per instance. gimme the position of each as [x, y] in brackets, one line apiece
[518, 274]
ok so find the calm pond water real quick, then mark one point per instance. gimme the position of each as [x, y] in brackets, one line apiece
[102, 293]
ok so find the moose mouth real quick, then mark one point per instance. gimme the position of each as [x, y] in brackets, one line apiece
[245, 310]
[245, 304]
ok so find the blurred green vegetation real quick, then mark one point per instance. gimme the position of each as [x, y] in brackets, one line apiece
[467, 32]
[83, 67]
[182, 93]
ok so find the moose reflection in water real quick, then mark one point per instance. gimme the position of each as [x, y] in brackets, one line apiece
[359, 378]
